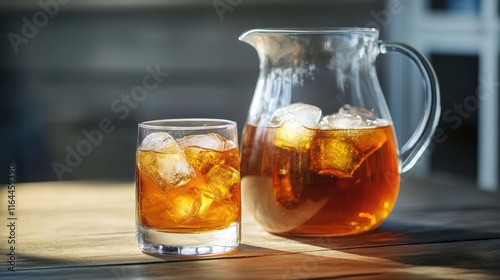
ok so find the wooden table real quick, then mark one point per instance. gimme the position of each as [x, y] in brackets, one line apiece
[85, 230]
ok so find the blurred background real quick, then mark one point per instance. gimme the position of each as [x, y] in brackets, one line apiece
[69, 68]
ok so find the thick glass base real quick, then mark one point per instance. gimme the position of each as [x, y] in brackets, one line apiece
[188, 244]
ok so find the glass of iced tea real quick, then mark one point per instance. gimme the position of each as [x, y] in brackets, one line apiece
[188, 199]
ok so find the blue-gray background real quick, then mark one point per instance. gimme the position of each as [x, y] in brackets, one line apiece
[89, 53]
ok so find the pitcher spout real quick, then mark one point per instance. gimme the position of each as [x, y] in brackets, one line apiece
[270, 44]
[249, 37]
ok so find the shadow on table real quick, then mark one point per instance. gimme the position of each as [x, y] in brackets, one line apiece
[423, 246]
[25, 261]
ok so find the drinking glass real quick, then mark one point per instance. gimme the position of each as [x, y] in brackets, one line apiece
[188, 199]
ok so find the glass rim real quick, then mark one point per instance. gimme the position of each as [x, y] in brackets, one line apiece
[188, 124]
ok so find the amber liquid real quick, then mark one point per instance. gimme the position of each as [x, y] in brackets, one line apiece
[210, 200]
[344, 181]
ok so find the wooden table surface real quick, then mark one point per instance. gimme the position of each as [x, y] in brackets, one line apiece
[85, 230]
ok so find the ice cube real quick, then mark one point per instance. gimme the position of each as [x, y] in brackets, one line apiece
[295, 125]
[175, 169]
[220, 179]
[210, 141]
[168, 167]
[307, 115]
[350, 117]
[365, 113]
[204, 159]
[200, 159]
[184, 204]
[346, 121]
[217, 175]
[158, 141]
[216, 188]
[340, 152]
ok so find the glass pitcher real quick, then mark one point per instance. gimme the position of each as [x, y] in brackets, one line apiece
[319, 154]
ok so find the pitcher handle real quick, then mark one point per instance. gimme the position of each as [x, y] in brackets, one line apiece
[421, 138]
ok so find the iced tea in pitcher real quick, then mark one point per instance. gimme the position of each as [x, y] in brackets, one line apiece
[308, 174]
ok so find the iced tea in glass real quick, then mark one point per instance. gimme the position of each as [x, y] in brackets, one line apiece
[188, 187]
